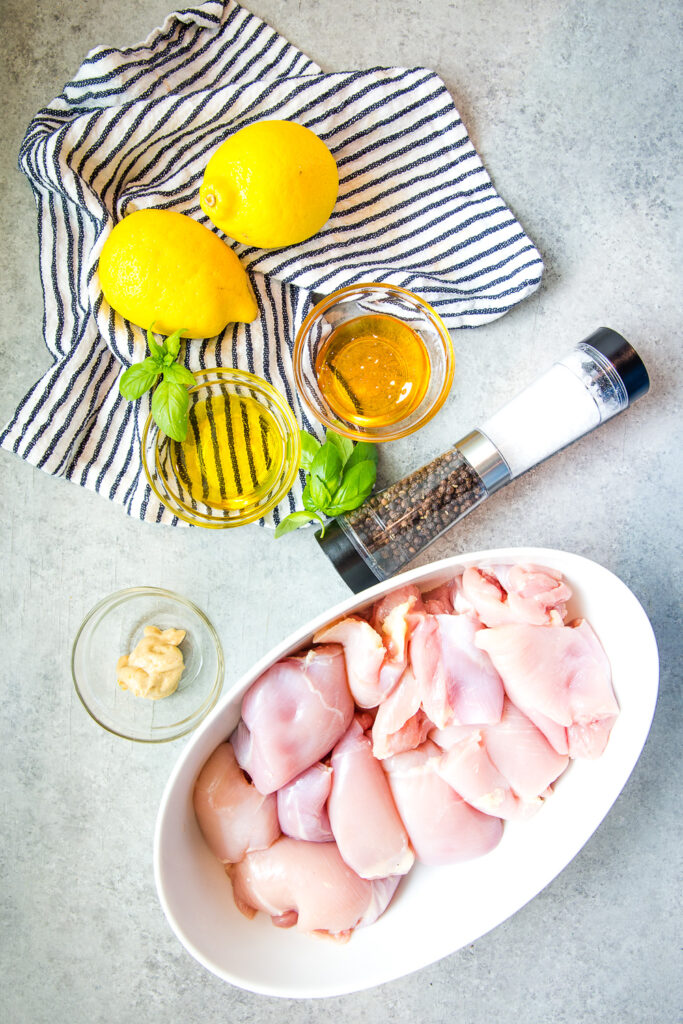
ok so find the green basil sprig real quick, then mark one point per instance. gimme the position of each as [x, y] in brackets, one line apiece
[170, 401]
[341, 476]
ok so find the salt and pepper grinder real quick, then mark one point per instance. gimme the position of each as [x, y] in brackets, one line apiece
[599, 378]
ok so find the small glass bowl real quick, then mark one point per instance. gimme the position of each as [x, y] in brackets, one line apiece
[114, 627]
[249, 437]
[363, 300]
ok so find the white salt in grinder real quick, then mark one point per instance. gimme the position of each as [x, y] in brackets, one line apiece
[602, 376]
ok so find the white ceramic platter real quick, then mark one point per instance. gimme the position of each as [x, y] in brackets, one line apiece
[436, 910]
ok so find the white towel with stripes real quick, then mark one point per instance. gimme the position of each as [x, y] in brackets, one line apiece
[135, 128]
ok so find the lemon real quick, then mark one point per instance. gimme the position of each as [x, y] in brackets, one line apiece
[271, 184]
[163, 268]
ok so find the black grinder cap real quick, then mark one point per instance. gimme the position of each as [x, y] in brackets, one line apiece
[350, 565]
[623, 358]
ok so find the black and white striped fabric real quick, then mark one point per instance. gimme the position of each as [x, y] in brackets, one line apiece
[135, 128]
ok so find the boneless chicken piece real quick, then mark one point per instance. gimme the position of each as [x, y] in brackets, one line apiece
[364, 653]
[442, 827]
[517, 593]
[302, 805]
[400, 723]
[448, 598]
[233, 816]
[292, 716]
[504, 769]
[521, 752]
[308, 885]
[456, 683]
[558, 673]
[364, 820]
[394, 617]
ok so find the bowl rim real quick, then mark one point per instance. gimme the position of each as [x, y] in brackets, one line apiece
[191, 758]
[202, 377]
[117, 597]
[362, 434]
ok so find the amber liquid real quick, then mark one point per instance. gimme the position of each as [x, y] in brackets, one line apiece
[373, 370]
[233, 453]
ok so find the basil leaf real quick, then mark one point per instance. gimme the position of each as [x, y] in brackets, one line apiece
[179, 375]
[320, 494]
[157, 351]
[138, 378]
[170, 404]
[344, 445]
[363, 452]
[307, 499]
[309, 446]
[354, 489]
[293, 521]
[172, 343]
[327, 467]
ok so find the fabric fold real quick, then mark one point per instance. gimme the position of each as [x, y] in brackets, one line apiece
[134, 129]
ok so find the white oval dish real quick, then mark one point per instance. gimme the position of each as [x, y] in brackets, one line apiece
[436, 911]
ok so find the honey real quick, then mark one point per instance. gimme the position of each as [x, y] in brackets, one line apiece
[373, 370]
[233, 453]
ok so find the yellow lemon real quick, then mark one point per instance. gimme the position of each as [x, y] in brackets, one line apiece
[270, 184]
[164, 268]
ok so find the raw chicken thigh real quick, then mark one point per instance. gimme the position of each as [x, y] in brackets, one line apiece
[400, 723]
[233, 816]
[292, 716]
[365, 823]
[503, 769]
[310, 886]
[560, 672]
[302, 805]
[516, 593]
[364, 653]
[442, 827]
[407, 733]
[456, 683]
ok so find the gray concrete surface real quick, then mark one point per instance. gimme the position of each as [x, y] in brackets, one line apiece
[575, 108]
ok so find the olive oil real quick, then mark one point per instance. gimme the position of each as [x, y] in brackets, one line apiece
[373, 370]
[233, 452]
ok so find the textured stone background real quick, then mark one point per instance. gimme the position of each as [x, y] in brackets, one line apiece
[575, 108]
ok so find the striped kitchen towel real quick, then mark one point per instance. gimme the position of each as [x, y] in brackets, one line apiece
[135, 128]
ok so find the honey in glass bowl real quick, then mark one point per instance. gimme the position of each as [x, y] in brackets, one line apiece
[373, 362]
[373, 370]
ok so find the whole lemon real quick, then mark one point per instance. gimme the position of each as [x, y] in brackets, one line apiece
[164, 268]
[270, 184]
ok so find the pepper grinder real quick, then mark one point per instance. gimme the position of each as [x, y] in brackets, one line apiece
[599, 378]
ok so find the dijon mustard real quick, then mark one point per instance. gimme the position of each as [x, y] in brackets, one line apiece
[153, 668]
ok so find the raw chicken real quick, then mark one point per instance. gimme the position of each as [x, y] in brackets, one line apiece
[393, 618]
[308, 885]
[400, 723]
[517, 593]
[364, 653]
[442, 827]
[503, 769]
[561, 673]
[301, 805]
[233, 816]
[365, 823]
[456, 683]
[522, 754]
[292, 716]
[448, 598]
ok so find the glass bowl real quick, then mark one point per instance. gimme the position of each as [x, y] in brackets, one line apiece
[114, 627]
[373, 362]
[240, 457]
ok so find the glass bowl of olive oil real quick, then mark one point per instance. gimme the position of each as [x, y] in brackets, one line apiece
[239, 459]
[374, 362]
